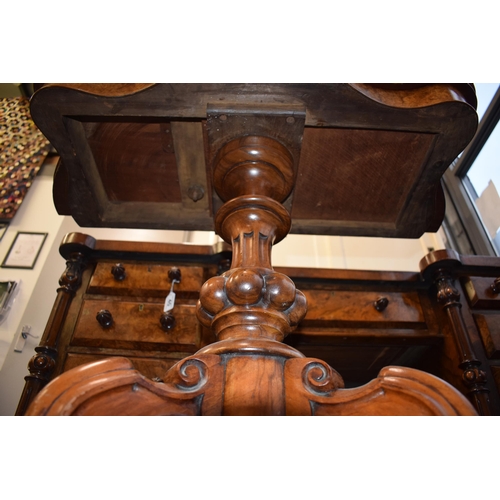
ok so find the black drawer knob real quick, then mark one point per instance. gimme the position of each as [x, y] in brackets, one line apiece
[174, 274]
[118, 271]
[167, 322]
[495, 286]
[104, 318]
[381, 304]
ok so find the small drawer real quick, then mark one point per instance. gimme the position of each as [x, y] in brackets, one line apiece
[145, 280]
[480, 294]
[149, 367]
[489, 329]
[357, 308]
[136, 325]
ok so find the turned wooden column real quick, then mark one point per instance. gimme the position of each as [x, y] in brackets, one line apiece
[75, 248]
[251, 308]
[253, 175]
[473, 376]
[439, 267]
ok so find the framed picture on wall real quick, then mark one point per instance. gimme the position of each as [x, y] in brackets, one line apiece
[24, 251]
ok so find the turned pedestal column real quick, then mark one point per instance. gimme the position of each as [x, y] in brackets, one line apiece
[251, 308]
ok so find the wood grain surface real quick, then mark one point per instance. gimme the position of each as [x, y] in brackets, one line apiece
[370, 157]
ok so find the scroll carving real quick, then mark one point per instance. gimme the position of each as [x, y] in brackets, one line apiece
[188, 375]
[87, 389]
[320, 379]
[396, 391]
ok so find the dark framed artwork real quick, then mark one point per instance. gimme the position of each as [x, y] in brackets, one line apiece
[24, 251]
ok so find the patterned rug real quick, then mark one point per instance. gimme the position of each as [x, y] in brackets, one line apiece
[23, 149]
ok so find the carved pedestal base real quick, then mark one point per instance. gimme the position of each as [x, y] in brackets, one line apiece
[245, 378]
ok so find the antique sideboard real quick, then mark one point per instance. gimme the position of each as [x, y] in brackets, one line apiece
[254, 162]
[357, 321]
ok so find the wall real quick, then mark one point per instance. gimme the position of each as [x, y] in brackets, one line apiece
[38, 286]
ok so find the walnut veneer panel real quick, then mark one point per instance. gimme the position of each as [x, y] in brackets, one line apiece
[146, 279]
[241, 371]
[136, 326]
[357, 308]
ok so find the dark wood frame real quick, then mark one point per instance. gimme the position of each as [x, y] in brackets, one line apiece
[72, 117]
[19, 233]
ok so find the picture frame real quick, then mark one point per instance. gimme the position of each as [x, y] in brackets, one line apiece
[24, 251]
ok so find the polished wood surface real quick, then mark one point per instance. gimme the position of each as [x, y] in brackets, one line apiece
[206, 385]
[149, 367]
[136, 325]
[402, 309]
[147, 279]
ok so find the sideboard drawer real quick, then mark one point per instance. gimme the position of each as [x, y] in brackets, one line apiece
[136, 325]
[363, 309]
[145, 279]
